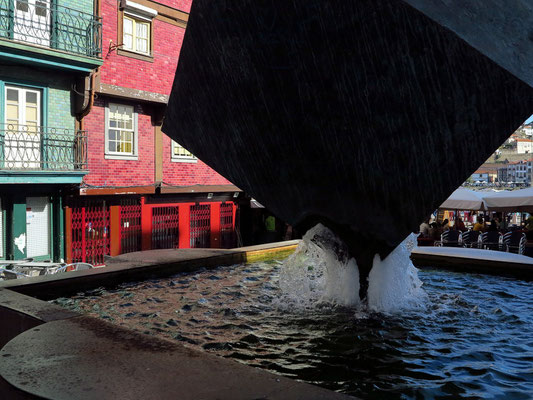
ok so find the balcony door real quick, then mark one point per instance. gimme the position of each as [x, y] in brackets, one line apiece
[22, 149]
[32, 21]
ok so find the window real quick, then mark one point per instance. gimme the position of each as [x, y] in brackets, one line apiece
[135, 27]
[136, 35]
[31, 21]
[181, 154]
[22, 140]
[121, 132]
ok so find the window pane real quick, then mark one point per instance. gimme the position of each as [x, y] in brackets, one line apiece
[31, 97]
[127, 27]
[31, 114]
[112, 134]
[142, 30]
[12, 112]
[12, 95]
[22, 6]
[127, 36]
[40, 8]
[128, 41]
[142, 45]
[126, 136]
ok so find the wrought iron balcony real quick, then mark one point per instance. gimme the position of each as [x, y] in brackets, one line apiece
[36, 148]
[45, 23]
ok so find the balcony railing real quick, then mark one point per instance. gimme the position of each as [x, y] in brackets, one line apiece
[36, 148]
[45, 23]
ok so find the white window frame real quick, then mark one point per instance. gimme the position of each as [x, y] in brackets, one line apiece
[181, 158]
[113, 155]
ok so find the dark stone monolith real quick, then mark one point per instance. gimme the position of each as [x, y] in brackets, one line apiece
[363, 115]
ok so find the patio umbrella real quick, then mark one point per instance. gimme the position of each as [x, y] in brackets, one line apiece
[464, 199]
[510, 201]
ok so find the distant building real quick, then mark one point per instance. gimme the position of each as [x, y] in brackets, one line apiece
[480, 177]
[502, 175]
[524, 146]
[527, 130]
[516, 172]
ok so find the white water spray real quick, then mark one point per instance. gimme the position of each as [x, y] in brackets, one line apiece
[321, 271]
[393, 283]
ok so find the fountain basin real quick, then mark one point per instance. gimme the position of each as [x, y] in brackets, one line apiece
[74, 356]
[100, 359]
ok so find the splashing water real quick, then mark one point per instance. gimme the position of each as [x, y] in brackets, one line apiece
[393, 283]
[321, 271]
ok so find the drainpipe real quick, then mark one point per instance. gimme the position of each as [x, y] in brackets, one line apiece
[88, 98]
[88, 101]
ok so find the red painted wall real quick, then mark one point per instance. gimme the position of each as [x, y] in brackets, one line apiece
[156, 76]
[182, 5]
[182, 174]
[104, 172]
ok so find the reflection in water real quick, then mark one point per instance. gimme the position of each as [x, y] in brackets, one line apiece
[471, 340]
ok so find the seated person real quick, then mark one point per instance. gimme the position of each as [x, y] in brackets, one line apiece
[460, 225]
[424, 228]
[434, 231]
[479, 226]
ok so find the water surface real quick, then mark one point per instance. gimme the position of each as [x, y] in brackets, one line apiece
[472, 339]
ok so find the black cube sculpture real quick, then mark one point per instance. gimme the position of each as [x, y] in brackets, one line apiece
[360, 114]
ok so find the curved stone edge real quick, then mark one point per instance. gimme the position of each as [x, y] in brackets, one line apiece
[87, 358]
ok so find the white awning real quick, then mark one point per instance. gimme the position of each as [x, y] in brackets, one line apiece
[464, 199]
[515, 200]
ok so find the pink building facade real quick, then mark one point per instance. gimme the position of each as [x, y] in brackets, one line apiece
[143, 191]
[136, 78]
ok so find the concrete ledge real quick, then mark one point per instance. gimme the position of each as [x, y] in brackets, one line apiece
[474, 260]
[86, 358]
[143, 265]
[19, 313]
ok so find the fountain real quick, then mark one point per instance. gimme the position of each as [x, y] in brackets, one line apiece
[360, 115]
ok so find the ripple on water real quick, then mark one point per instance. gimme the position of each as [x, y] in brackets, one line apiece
[473, 340]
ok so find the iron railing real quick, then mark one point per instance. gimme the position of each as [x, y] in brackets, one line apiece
[45, 23]
[24, 147]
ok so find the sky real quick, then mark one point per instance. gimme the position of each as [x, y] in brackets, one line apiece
[529, 119]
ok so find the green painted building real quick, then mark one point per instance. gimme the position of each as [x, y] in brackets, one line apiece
[49, 50]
